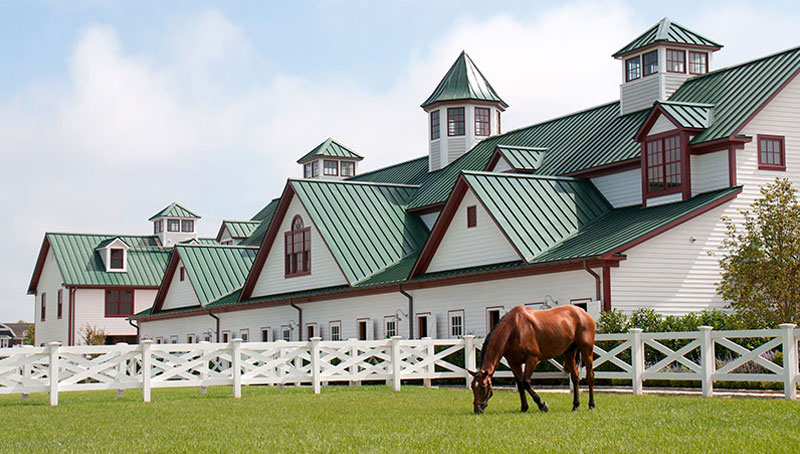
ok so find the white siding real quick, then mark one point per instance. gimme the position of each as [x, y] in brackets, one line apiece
[180, 294]
[501, 166]
[430, 218]
[435, 155]
[664, 199]
[181, 327]
[709, 172]
[674, 275]
[324, 270]
[672, 81]
[52, 329]
[639, 94]
[350, 310]
[90, 310]
[621, 189]
[481, 245]
[662, 124]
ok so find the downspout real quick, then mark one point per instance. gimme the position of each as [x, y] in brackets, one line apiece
[217, 319]
[71, 315]
[299, 319]
[597, 291]
[410, 311]
[130, 322]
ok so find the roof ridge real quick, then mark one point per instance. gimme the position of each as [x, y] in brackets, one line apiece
[686, 103]
[240, 220]
[365, 183]
[738, 65]
[217, 246]
[518, 147]
[529, 176]
[387, 167]
[106, 235]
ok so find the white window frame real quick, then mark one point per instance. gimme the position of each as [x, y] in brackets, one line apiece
[417, 317]
[335, 324]
[489, 318]
[451, 325]
[269, 334]
[386, 321]
[173, 339]
[225, 336]
[244, 334]
[284, 330]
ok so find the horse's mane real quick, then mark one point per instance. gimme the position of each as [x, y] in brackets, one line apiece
[488, 338]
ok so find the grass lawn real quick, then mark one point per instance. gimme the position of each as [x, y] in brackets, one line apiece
[375, 419]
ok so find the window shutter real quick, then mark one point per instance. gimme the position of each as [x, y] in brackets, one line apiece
[370, 329]
[472, 216]
[432, 326]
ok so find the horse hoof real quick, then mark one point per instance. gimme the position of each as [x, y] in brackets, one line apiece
[575, 408]
[544, 408]
[591, 407]
[524, 409]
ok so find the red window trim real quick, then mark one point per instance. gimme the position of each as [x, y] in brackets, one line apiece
[325, 168]
[168, 225]
[689, 59]
[488, 121]
[438, 124]
[305, 231]
[644, 65]
[683, 52]
[350, 164]
[191, 221]
[472, 216]
[183, 273]
[119, 302]
[782, 151]
[462, 121]
[60, 306]
[111, 259]
[43, 306]
[499, 131]
[627, 72]
[683, 157]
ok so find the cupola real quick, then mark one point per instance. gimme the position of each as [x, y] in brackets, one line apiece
[463, 110]
[656, 63]
[174, 224]
[330, 160]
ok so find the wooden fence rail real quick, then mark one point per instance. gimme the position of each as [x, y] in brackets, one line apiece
[705, 356]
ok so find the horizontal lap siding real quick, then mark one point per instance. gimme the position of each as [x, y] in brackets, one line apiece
[52, 329]
[621, 189]
[709, 172]
[180, 327]
[180, 294]
[672, 82]
[662, 124]
[90, 310]
[675, 276]
[640, 94]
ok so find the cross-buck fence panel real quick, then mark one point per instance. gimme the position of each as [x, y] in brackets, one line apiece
[704, 355]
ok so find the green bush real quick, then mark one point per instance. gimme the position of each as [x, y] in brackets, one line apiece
[614, 321]
[647, 319]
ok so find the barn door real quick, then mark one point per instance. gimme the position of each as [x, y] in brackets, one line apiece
[432, 326]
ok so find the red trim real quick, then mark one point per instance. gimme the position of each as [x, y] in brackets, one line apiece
[478, 123]
[71, 313]
[627, 70]
[119, 291]
[753, 115]
[608, 169]
[651, 119]
[147, 287]
[670, 225]
[644, 64]
[289, 259]
[121, 259]
[732, 166]
[500, 106]
[661, 43]
[606, 288]
[472, 216]
[782, 152]
[438, 124]
[686, 170]
[172, 266]
[666, 63]
[324, 168]
[427, 209]
[719, 144]
[684, 158]
[463, 121]
[37, 270]
[689, 63]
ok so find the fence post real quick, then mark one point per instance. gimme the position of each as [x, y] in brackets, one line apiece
[147, 365]
[430, 368]
[395, 363]
[789, 361]
[26, 371]
[203, 367]
[315, 365]
[236, 366]
[707, 360]
[354, 368]
[121, 369]
[53, 372]
[637, 359]
[469, 357]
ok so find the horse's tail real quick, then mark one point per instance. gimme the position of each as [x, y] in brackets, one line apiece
[578, 358]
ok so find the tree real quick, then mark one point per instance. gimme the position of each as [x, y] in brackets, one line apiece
[30, 334]
[93, 335]
[761, 268]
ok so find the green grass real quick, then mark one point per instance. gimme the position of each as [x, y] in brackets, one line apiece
[375, 419]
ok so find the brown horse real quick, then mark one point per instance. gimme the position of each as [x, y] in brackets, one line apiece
[526, 336]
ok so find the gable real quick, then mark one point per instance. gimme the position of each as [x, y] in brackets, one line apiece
[661, 125]
[463, 247]
[325, 272]
[180, 293]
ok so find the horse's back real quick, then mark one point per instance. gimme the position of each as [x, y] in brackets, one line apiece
[566, 320]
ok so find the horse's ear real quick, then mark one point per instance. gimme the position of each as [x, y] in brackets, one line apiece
[473, 372]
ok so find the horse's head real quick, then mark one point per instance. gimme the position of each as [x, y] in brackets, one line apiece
[481, 390]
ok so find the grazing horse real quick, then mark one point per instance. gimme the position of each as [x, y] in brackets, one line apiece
[526, 336]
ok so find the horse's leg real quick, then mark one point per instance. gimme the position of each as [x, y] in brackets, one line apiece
[588, 358]
[516, 369]
[530, 365]
[571, 367]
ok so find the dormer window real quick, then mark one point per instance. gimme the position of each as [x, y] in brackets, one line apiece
[663, 162]
[158, 226]
[633, 68]
[455, 121]
[348, 168]
[187, 226]
[173, 225]
[315, 169]
[331, 168]
[676, 61]
[307, 170]
[297, 249]
[482, 122]
[698, 62]
[434, 125]
[650, 63]
[117, 259]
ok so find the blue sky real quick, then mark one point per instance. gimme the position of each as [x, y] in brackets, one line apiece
[111, 110]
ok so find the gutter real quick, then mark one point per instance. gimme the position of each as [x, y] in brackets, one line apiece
[410, 311]
[130, 322]
[597, 291]
[217, 319]
[299, 318]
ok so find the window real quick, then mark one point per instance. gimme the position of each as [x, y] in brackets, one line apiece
[455, 121]
[336, 330]
[244, 334]
[390, 326]
[362, 329]
[183, 273]
[698, 62]
[298, 249]
[187, 226]
[676, 61]
[43, 307]
[158, 226]
[315, 169]
[472, 216]
[482, 122]
[191, 338]
[582, 303]
[159, 340]
[286, 332]
[650, 61]
[226, 336]
[207, 336]
[331, 168]
[422, 325]
[4, 343]
[771, 154]
[173, 225]
[119, 302]
[60, 302]
[310, 328]
[307, 170]
[434, 125]
[664, 164]
[633, 68]
[492, 318]
[173, 339]
[456, 323]
[266, 335]
[348, 168]
[117, 259]
[498, 122]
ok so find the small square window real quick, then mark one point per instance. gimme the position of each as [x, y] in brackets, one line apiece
[676, 61]
[472, 216]
[187, 226]
[348, 168]
[455, 121]
[331, 168]
[244, 334]
[173, 225]
[633, 68]
[117, 259]
[698, 62]
[482, 122]
[771, 153]
[650, 60]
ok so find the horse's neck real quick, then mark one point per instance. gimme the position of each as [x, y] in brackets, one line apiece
[496, 349]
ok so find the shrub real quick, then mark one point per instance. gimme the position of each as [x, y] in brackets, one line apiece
[614, 321]
[647, 319]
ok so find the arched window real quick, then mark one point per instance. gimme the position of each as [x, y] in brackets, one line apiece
[298, 249]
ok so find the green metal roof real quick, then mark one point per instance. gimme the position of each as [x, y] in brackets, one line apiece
[105, 243]
[738, 92]
[265, 217]
[414, 171]
[330, 148]
[575, 142]
[216, 271]
[241, 229]
[522, 158]
[463, 81]
[365, 225]
[667, 31]
[689, 115]
[174, 210]
[266, 213]
[537, 212]
[80, 264]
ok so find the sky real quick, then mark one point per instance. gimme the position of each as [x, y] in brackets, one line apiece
[109, 111]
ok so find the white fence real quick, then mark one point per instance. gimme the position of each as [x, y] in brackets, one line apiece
[750, 355]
